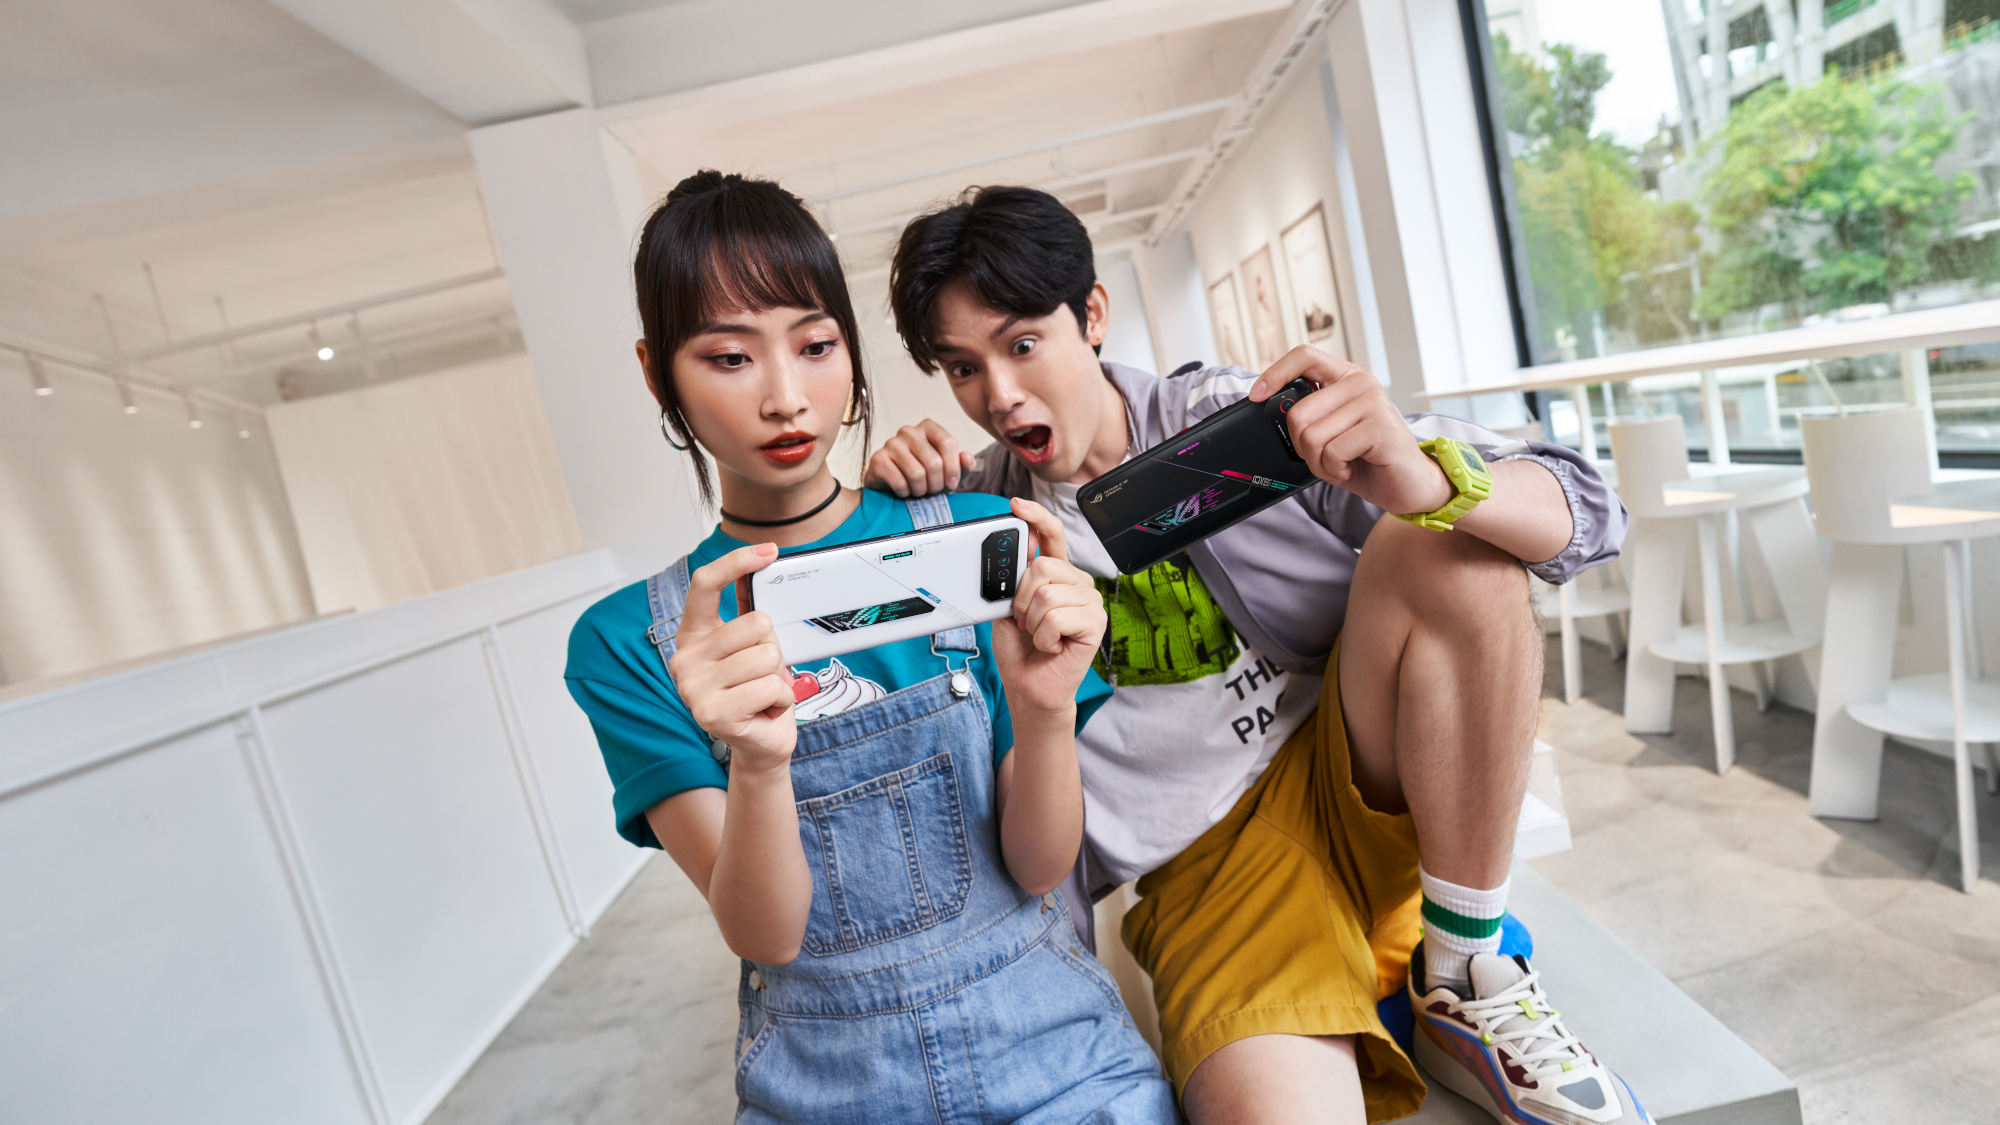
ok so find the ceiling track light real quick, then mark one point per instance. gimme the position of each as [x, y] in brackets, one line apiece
[125, 395]
[320, 346]
[38, 375]
[194, 416]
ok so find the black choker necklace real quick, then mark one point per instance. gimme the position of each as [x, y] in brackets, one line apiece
[822, 506]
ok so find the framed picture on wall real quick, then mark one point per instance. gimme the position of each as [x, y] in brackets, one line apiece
[1267, 318]
[1227, 316]
[1315, 290]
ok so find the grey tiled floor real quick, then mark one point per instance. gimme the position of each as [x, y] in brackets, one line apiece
[1839, 950]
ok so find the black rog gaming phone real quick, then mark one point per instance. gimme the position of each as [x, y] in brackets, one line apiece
[1212, 475]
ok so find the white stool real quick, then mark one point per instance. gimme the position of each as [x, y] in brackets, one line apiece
[1859, 466]
[1574, 602]
[1667, 508]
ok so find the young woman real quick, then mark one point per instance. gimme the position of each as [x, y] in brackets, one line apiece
[879, 837]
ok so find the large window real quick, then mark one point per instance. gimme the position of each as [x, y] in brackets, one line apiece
[1685, 170]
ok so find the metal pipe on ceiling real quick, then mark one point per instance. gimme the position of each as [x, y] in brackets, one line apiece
[1146, 121]
[1279, 57]
[192, 343]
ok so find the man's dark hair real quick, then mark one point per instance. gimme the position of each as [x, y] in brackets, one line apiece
[1020, 249]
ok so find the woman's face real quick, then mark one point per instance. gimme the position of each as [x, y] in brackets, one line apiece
[764, 392]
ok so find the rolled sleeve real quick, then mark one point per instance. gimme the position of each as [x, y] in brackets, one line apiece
[1598, 517]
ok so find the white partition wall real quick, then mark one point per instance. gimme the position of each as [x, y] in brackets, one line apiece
[303, 878]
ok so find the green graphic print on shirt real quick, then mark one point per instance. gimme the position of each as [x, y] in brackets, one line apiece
[1165, 627]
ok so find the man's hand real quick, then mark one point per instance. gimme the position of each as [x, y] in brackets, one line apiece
[732, 676]
[918, 461]
[1351, 435]
[1047, 646]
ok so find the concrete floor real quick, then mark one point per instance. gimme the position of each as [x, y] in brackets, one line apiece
[1838, 949]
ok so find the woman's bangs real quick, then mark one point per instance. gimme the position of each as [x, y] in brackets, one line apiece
[756, 274]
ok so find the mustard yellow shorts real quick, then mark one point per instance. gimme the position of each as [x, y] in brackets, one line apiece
[1293, 915]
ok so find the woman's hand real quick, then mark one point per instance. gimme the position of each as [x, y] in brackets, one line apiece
[1045, 649]
[1351, 435]
[732, 676]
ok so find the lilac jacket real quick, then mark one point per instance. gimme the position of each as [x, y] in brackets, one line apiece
[1282, 576]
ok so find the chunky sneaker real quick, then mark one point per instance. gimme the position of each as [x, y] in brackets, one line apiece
[1506, 1050]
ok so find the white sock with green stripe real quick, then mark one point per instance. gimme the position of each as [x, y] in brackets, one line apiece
[1458, 922]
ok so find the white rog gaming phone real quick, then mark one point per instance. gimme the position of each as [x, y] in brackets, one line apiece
[841, 599]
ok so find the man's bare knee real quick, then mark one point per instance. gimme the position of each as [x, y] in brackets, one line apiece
[1446, 577]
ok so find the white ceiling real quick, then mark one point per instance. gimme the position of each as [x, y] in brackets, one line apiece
[245, 155]
[114, 100]
[829, 141]
[591, 11]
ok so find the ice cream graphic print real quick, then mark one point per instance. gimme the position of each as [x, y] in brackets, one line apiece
[831, 690]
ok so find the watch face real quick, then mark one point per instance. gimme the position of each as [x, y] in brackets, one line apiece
[1469, 458]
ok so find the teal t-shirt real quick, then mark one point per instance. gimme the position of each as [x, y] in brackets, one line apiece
[651, 745]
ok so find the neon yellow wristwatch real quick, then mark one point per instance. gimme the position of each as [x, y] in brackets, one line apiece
[1466, 470]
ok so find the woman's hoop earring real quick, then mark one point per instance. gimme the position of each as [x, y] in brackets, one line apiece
[669, 436]
[860, 407]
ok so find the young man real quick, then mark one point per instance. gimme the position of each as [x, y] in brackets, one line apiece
[1305, 703]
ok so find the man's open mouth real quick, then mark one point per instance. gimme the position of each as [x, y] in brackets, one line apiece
[1031, 442]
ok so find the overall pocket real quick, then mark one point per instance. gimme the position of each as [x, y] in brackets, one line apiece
[889, 857]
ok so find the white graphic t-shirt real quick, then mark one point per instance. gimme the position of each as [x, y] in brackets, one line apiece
[1195, 713]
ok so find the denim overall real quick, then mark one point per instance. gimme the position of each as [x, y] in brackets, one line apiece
[929, 988]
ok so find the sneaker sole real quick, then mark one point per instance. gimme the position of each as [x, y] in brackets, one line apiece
[1448, 1072]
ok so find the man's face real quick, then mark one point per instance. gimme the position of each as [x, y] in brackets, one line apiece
[1032, 382]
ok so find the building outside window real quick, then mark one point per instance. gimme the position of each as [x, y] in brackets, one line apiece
[1687, 170]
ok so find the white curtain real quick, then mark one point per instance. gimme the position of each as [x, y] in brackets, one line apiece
[421, 484]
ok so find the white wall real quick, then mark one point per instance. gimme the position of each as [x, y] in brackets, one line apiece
[1276, 177]
[1176, 306]
[1128, 338]
[409, 487]
[128, 535]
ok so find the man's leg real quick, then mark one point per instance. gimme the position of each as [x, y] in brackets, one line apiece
[1440, 680]
[1277, 1080]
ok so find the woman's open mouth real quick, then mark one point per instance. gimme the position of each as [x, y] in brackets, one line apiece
[1035, 444]
[789, 449]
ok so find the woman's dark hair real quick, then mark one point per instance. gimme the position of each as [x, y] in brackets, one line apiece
[721, 242]
[1021, 250]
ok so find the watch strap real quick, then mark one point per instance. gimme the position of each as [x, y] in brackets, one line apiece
[1466, 470]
